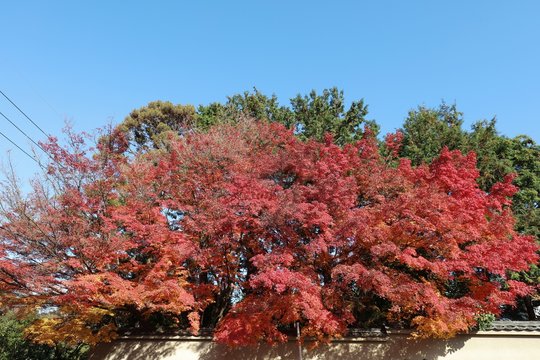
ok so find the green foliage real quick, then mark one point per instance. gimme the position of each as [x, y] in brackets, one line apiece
[525, 156]
[150, 125]
[315, 115]
[426, 131]
[253, 105]
[14, 346]
[492, 152]
[484, 321]
[311, 116]
[530, 277]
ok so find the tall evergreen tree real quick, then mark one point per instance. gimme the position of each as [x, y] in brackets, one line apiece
[311, 116]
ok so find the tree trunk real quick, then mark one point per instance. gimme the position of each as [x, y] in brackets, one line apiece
[530, 308]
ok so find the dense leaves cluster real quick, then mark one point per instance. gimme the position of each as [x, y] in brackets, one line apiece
[248, 229]
[14, 345]
[426, 131]
[310, 116]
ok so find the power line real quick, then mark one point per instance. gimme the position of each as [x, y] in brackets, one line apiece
[22, 112]
[20, 148]
[21, 131]
[28, 137]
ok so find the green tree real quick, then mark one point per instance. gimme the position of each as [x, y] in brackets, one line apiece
[254, 104]
[311, 116]
[14, 345]
[426, 131]
[315, 115]
[499, 155]
[149, 126]
[525, 156]
[493, 152]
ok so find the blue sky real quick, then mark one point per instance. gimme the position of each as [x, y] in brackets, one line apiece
[92, 62]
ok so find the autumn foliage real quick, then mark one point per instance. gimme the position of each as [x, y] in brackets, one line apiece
[249, 230]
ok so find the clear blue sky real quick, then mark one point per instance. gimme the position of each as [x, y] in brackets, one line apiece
[93, 61]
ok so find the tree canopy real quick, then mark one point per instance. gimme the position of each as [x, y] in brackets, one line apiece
[427, 131]
[310, 116]
[248, 229]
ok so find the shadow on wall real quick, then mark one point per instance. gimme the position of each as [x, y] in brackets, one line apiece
[215, 351]
[134, 350]
[395, 347]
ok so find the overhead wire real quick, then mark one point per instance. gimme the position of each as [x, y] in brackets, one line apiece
[21, 149]
[24, 133]
[29, 138]
[22, 112]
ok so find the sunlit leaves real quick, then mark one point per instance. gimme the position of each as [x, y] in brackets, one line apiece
[247, 229]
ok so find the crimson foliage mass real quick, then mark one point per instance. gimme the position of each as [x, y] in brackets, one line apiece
[247, 229]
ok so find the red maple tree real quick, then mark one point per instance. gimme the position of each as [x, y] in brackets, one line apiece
[249, 230]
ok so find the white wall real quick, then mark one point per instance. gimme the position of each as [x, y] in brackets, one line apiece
[483, 345]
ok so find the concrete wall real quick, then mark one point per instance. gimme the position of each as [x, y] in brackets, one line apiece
[482, 345]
